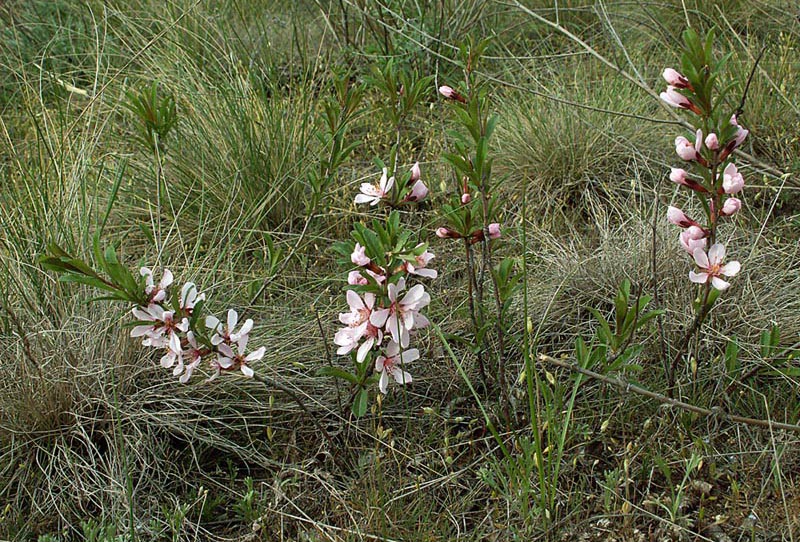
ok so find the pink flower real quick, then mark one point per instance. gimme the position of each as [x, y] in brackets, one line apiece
[356, 278]
[465, 198]
[156, 292]
[738, 139]
[415, 173]
[161, 330]
[192, 356]
[373, 194]
[681, 176]
[420, 267]
[358, 327]
[451, 94]
[226, 334]
[418, 192]
[402, 315]
[447, 233]
[692, 238]
[359, 256]
[711, 267]
[677, 217]
[676, 99]
[730, 207]
[688, 151]
[732, 180]
[392, 364]
[712, 142]
[229, 360]
[190, 297]
[675, 79]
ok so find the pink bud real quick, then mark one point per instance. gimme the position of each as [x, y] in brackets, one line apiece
[712, 142]
[675, 79]
[676, 99]
[465, 198]
[693, 237]
[685, 149]
[451, 94]
[677, 217]
[415, 173]
[447, 233]
[732, 180]
[355, 278]
[359, 256]
[681, 177]
[677, 175]
[418, 192]
[494, 231]
[730, 207]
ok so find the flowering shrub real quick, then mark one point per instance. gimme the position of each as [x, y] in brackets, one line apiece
[472, 216]
[385, 308]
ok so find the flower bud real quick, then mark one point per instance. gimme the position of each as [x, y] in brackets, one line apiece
[451, 94]
[677, 217]
[447, 233]
[415, 173]
[685, 149]
[465, 198]
[676, 99]
[730, 207]
[732, 180]
[712, 142]
[675, 79]
[355, 278]
[680, 176]
[418, 192]
[359, 256]
[494, 231]
[692, 238]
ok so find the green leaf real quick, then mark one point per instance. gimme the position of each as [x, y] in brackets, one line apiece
[732, 365]
[359, 407]
[89, 281]
[604, 332]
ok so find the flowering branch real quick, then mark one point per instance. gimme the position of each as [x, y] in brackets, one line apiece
[171, 323]
[712, 177]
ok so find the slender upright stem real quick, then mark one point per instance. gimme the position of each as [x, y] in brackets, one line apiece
[472, 313]
[698, 321]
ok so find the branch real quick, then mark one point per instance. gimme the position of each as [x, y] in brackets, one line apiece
[663, 399]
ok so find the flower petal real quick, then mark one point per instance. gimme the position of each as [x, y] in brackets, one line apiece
[716, 253]
[699, 278]
[731, 269]
[700, 258]
[719, 284]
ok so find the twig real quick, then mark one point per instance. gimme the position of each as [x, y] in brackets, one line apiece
[471, 296]
[698, 321]
[740, 109]
[627, 386]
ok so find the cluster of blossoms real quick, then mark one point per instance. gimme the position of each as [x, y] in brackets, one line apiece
[414, 190]
[166, 324]
[383, 318]
[716, 183]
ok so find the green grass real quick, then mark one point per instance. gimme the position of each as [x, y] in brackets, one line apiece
[92, 429]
